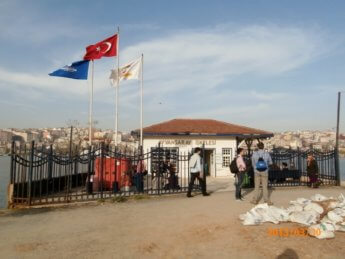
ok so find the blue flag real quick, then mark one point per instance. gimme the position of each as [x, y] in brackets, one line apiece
[77, 70]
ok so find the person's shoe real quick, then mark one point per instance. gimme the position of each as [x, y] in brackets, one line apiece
[242, 198]
[189, 195]
[238, 199]
[205, 194]
[254, 202]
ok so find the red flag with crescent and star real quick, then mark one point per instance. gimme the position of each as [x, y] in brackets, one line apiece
[104, 48]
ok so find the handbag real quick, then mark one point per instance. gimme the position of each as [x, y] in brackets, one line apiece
[246, 180]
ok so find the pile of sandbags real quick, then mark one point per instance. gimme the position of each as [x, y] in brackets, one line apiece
[322, 215]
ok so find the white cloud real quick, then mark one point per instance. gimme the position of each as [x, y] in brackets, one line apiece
[45, 82]
[268, 96]
[193, 59]
[199, 62]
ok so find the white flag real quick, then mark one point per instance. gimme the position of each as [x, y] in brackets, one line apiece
[131, 70]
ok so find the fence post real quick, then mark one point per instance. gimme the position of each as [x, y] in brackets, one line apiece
[298, 160]
[31, 168]
[10, 188]
[102, 168]
[337, 169]
[89, 173]
[50, 163]
[12, 174]
[336, 164]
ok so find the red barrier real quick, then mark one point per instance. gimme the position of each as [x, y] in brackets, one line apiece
[111, 173]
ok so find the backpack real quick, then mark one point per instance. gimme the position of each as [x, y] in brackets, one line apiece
[261, 165]
[233, 166]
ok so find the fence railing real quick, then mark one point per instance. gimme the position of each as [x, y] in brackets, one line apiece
[40, 176]
[290, 167]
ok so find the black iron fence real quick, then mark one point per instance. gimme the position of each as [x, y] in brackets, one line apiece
[41, 176]
[290, 167]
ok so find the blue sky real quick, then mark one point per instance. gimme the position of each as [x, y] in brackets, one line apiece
[274, 65]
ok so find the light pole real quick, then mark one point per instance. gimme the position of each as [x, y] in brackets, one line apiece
[337, 168]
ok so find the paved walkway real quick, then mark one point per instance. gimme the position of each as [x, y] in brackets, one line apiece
[220, 184]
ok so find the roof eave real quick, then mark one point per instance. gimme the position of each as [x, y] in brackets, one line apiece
[256, 135]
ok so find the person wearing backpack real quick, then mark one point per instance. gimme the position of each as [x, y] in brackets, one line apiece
[261, 160]
[241, 170]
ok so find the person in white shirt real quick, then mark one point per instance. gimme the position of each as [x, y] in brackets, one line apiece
[196, 172]
[241, 165]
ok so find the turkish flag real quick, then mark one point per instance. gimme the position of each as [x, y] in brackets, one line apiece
[104, 48]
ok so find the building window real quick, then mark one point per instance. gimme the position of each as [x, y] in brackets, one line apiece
[227, 155]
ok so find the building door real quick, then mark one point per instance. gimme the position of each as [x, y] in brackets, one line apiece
[209, 162]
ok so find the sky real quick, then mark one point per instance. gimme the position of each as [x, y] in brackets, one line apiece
[272, 65]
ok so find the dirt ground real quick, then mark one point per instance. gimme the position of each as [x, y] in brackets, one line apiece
[164, 227]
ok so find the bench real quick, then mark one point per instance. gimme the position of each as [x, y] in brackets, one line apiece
[282, 175]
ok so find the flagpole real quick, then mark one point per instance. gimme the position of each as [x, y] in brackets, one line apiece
[141, 100]
[117, 86]
[91, 106]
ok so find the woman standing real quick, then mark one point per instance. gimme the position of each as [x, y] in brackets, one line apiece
[241, 165]
[312, 171]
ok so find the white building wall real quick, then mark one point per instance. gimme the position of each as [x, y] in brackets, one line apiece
[187, 143]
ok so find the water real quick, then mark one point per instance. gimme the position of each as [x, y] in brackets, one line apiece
[5, 177]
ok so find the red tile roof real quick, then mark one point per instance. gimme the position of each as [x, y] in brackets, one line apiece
[202, 127]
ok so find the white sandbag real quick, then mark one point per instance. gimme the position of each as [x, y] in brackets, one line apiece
[279, 214]
[325, 219]
[304, 217]
[334, 217]
[314, 206]
[320, 232]
[318, 197]
[296, 207]
[300, 201]
[248, 219]
[341, 198]
[328, 226]
[341, 201]
[266, 215]
[272, 213]
[339, 211]
[251, 218]
[254, 216]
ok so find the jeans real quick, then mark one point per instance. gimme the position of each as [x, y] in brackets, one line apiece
[193, 176]
[238, 184]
